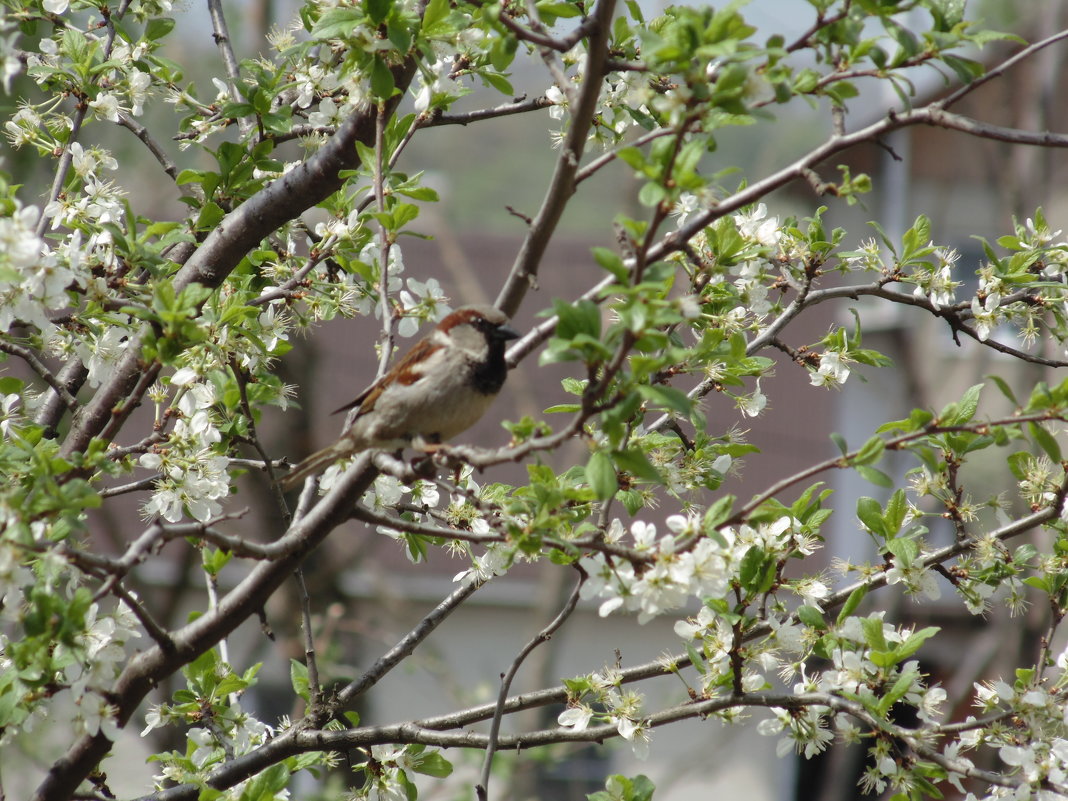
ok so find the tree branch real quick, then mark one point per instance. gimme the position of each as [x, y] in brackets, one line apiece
[148, 668]
[482, 789]
[42, 371]
[503, 110]
[1002, 68]
[237, 233]
[562, 186]
[221, 34]
[154, 147]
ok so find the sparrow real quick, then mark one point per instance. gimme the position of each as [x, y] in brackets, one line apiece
[441, 387]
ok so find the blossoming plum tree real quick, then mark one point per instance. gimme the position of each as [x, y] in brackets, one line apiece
[104, 308]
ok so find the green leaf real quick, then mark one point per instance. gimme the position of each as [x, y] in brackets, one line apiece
[969, 404]
[601, 475]
[10, 385]
[265, 786]
[900, 687]
[667, 397]
[896, 509]
[636, 463]
[840, 443]
[158, 27]
[870, 452]
[436, 11]
[433, 764]
[210, 216]
[903, 549]
[581, 317]
[875, 476]
[612, 262]
[1046, 441]
[967, 69]
[717, 513]
[871, 515]
[873, 633]
[652, 194]
[498, 82]
[811, 617]
[338, 22]
[382, 85]
[752, 566]
[563, 408]
[851, 604]
[1020, 464]
[1006, 390]
[913, 643]
[642, 788]
[298, 677]
[377, 10]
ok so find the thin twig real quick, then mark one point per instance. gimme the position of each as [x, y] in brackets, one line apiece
[482, 789]
[254, 440]
[42, 370]
[315, 690]
[286, 290]
[159, 634]
[154, 147]
[607, 158]
[366, 515]
[478, 115]
[133, 486]
[404, 647]
[1002, 68]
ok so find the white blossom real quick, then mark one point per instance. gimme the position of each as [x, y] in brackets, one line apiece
[832, 371]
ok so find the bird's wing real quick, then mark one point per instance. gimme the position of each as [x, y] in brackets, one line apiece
[405, 373]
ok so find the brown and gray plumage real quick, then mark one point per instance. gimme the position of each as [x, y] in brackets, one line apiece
[441, 387]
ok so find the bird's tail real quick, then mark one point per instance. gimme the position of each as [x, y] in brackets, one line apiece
[313, 464]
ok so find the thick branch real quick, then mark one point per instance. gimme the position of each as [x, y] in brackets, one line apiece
[150, 667]
[562, 186]
[239, 232]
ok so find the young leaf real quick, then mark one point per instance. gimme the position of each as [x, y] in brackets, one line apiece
[601, 475]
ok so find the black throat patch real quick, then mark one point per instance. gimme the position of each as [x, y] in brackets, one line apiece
[488, 376]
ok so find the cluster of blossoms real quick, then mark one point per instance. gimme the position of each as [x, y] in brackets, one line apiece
[867, 659]
[33, 281]
[227, 729]
[234, 732]
[737, 294]
[936, 283]
[193, 475]
[120, 87]
[88, 662]
[1033, 750]
[600, 698]
[100, 654]
[416, 301]
[764, 237]
[667, 577]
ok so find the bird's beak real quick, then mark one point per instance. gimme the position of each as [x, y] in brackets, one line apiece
[506, 332]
